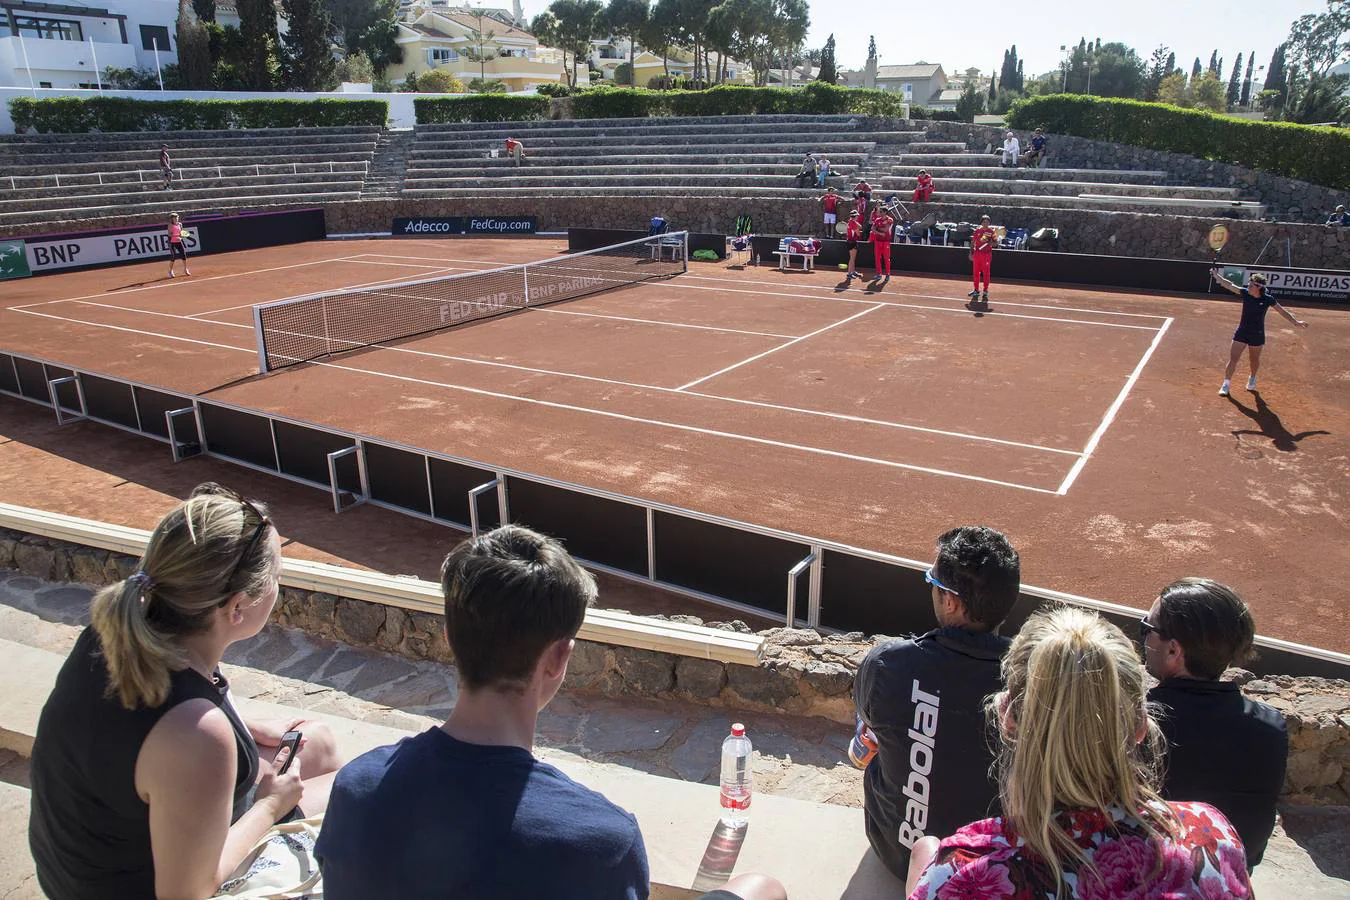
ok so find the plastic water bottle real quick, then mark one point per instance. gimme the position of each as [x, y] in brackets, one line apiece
[737, 778]
[863, 748]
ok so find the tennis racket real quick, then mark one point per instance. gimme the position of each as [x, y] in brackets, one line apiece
[841, 228]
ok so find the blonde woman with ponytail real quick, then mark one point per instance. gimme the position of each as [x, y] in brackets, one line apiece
[1078, 781]
[146, 781]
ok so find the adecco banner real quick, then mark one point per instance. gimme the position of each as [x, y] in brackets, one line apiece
[434, 225]
[13, 260]
[1303, 284]
[102, 249]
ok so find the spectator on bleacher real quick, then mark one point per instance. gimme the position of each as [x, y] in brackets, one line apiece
[807, 176]
[177, 249]
[146, 781]
[822, 171]
[516, 150]
[465, 809]
[1035, 154]
[923, 700]
[1077, 779]
[923, 192]
[862, 197]
[1339, 217]
[1011, 150]
[165, 167]
[831, 204]
[1195, 630]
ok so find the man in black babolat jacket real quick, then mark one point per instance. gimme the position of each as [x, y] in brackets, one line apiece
[923, 699]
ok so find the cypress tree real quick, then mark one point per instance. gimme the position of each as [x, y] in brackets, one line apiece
[1234, 86]
[307, 52]
[1246, 96]
[258, 34]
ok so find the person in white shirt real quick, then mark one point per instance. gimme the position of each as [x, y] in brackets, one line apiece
[1012, 149]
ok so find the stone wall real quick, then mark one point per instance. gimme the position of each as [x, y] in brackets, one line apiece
[1081, 231]
[1287, 199]
[802, 672]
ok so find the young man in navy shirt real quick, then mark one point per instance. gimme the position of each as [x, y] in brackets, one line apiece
[1222, 749]
[465, 810]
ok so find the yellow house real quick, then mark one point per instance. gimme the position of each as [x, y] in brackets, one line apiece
[440, 37]
[648, 65]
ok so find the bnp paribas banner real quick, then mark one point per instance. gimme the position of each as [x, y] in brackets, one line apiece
[13, 260]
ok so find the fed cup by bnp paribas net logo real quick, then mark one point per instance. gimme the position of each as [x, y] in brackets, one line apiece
[13, 260]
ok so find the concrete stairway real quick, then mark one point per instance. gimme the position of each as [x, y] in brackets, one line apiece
[390, 163]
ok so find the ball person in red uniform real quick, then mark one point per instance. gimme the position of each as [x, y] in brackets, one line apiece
[982, 244]
[924, 191]
[883, 226]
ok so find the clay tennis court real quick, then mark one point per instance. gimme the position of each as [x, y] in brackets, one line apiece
[1085, 423]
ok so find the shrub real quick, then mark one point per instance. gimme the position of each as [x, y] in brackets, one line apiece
[73, 115]
[439, 81]
[554, 89]
[1319, 155]
[480, 108]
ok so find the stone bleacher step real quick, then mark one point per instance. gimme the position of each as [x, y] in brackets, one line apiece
[1066, 188]
[65, 217]
[676, 817]
[1114, 175]
[181, 196]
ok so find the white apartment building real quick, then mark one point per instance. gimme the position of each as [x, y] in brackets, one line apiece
[65, 45]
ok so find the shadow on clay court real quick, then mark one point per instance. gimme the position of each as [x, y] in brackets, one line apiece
[1269, 425]
[136, 284]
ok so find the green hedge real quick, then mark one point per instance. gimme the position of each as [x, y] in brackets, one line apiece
[1316, 154]
[480, 108]
[635, 103]
[74, 115]
[734, 100]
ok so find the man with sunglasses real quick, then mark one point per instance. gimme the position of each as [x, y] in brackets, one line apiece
[1222, 748]
[922, 698]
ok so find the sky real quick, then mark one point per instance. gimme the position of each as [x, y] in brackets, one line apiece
[965, 34]
[976, 34]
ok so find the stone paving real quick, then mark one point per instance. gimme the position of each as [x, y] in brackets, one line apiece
[805, 758]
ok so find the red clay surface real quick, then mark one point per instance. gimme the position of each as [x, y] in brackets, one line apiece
[1084, 423]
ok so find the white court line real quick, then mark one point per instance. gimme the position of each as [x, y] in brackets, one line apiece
[380, 282]
[406, 265]
[796, 340]
[1111, 412]
[195, 279]
[581, 409]
[722, 280]
[692, 428]
[140, 331]
[569, 312]
[876, 300]
[836, 298]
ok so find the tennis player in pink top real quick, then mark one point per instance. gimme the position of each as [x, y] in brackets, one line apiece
[176, 248]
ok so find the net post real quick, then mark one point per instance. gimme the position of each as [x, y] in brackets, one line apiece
[685, 257]
[525, 273]
[261, 337]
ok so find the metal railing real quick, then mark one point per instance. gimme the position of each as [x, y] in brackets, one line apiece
[141, 176]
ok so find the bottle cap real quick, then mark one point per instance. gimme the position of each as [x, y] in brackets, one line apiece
[738, 729]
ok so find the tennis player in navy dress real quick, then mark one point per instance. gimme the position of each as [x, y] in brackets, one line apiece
[1251, 331]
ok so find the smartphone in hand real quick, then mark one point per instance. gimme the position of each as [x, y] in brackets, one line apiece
[289, 741]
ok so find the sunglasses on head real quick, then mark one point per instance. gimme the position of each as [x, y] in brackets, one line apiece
[932, 579]
[249, 509]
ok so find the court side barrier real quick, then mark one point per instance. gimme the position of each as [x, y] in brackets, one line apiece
[800, 580]
[601, 626]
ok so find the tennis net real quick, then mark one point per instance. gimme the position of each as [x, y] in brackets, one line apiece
[302, 329]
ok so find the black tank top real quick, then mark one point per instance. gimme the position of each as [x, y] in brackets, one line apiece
[89, 830]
